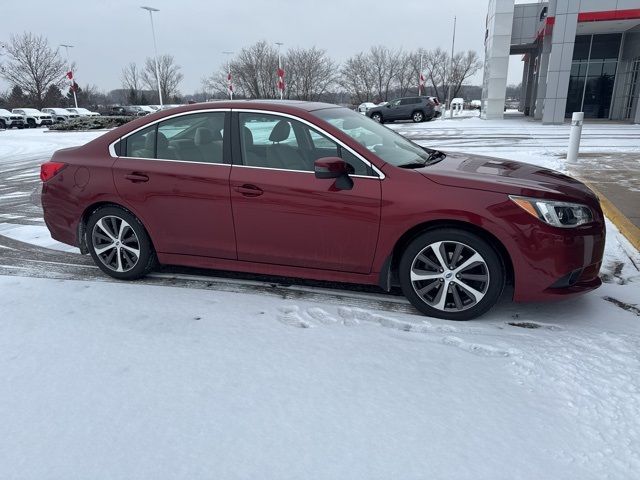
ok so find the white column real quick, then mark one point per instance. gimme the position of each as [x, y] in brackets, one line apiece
[496, 64]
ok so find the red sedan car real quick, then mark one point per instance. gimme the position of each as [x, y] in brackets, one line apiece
[316, 191]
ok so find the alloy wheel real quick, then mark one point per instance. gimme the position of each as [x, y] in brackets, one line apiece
[115, 243]
[450, 276]
[418, 117]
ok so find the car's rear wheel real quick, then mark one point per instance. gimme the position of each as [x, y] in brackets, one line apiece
[119, 243]
[31, 123]
[376, 117]
[3, 125]
[417, 117]
[451, 274]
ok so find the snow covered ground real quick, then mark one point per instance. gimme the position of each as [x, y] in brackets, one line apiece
[125, 380]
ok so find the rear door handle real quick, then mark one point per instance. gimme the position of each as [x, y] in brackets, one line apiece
[248, 190]
[137, 177]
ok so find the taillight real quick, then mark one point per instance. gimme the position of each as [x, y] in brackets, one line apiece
[51, 169]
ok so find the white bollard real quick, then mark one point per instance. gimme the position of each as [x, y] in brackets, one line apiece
[574, 138]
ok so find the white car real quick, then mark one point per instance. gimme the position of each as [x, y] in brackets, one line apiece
[10, 120]
[83, 112]
[437, 107]
[363, 108]
[34, 117]
[146, 109]
[60, 114]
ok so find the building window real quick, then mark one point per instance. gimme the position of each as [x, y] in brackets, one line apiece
[632, 88]
[593, 72]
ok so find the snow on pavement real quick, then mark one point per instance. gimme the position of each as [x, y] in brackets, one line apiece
[124, 380]
[105, 380]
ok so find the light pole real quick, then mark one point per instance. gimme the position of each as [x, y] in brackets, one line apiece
[66, 48]
[280, 72]
[229, 84]
[3, 47]
[155, 49]
[420, 77]
[453, 43]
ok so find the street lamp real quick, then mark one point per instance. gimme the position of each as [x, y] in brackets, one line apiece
[66, 48]
[155, 49]
[280, 72]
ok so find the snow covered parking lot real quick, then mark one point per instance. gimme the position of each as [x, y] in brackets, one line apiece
[130, 380]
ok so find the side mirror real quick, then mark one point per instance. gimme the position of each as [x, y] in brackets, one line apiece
[334, 167]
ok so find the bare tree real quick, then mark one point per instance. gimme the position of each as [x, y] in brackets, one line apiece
[357, 78]
[33, 66]
[132, 81]
[170, 76]
[465, 65]
[385, 64]
[310, 73]
[255, 70]
[408, 72]
[435, 64]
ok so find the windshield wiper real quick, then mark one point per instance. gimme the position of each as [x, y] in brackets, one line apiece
[412, 165]
[434, 157]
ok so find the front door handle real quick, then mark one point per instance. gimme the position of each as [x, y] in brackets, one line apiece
[248, 190]
[137, 177]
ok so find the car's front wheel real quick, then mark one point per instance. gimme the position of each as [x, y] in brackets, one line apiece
[452, 274]
[376, 117]
[417, 117]
[119, 243]
[31, 123]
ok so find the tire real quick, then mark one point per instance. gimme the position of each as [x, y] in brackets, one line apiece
[469, 290]
[104, 228]
[3, 125]
[376, 117]
[31, 123]
[417, 116]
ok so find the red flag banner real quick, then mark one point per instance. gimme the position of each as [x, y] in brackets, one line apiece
[280, 79]
[70, 75]
[229, 82]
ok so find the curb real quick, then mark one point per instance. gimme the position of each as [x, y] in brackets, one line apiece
[626, 226]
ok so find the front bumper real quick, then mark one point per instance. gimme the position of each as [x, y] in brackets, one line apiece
[559, 263]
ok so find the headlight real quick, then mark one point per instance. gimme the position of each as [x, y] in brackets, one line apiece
[558, 214]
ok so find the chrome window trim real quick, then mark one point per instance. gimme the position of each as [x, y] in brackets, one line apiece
[112, 150]
[176, 161]
[297, 171]
[379, 176]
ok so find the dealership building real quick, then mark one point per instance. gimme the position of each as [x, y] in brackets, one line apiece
[579, 56]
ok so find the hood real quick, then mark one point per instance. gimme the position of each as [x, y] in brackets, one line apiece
[506, 176]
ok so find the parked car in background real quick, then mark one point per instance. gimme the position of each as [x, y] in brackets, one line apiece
[365, 107]
[230, 186]
[475, 104]
[418, 109]
[437, 106]
[128, 111]
[147, 109]
[60, 114]
[33, 117]
[11, 120]
[83, 112]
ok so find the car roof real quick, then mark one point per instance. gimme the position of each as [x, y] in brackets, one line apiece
[262, 104]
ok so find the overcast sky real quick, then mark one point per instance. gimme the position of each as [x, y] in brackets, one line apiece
[109, 34]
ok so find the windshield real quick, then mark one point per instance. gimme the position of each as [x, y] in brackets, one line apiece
[79, 110]
[390, 146]
[31, 111]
